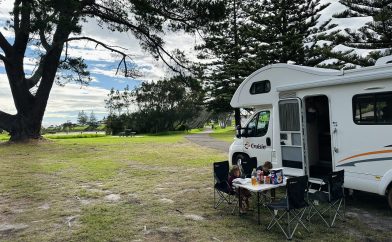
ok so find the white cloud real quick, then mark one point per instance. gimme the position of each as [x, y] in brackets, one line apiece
[62, 101]
[6, 101]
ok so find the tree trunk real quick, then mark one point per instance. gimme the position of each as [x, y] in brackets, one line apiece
[26, 129]
[21, 127]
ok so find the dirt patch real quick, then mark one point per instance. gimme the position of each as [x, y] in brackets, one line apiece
[87, 201]
[113, 197]
[166, 201]
[373, 220]
[12, 228]
[44, 206]
[71, 220]
[186, 190]
[194, 217]
[163, 234]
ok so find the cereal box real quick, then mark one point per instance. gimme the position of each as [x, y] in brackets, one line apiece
[276, 176]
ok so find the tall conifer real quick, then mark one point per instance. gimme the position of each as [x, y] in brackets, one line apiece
[226, 42]
[377, 33]
[287, 30]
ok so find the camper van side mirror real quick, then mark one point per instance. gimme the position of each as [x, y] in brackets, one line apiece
[238, 131]
[245, 132]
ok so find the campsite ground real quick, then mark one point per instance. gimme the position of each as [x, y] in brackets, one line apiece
[155, 188]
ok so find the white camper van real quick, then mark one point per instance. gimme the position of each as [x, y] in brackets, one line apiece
[313, 121]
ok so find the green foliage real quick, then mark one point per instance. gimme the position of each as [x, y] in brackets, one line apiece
[283, 28]
[167, 105]
[82, 118]
[376, 34]
[92, 122]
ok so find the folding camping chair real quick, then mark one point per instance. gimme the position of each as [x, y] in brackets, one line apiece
[248, 165]
[293, 206]
[221, 184]
[334, 196]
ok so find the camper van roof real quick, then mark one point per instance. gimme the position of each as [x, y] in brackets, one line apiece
[365, 74]
[278, 75]
[286, 77]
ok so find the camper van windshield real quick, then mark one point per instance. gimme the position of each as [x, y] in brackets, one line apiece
[258, 125]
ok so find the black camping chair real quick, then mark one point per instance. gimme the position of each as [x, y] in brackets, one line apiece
[293, 206]
[334, 196]
[221, 184]
[248, 165]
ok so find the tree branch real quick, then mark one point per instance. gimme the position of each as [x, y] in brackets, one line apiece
[44, 42]
[5, 45]
[22, 34]
[111, 48]
[34, 79]
[113, 17]
[6, 121]
[3, 58]
[16, 12]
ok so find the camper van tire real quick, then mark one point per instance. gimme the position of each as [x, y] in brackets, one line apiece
[239, 156]
[390, 196]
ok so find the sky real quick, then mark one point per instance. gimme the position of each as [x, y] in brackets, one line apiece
[66, 102]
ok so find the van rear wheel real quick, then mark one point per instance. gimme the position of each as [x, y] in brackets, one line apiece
[390, 196]
[239, 156]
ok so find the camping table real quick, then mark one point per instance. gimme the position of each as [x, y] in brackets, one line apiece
[258, 189]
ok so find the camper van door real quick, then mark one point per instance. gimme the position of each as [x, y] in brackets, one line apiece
[291, 136]
[257, 136]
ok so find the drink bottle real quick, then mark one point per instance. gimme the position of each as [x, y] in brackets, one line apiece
[254, 174]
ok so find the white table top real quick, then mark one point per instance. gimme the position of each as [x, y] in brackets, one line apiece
[259, 187]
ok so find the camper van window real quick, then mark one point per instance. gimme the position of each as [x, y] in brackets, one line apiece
[251, 127]
[260, 87]
[262, 123]
[373, 108]
[258, 125]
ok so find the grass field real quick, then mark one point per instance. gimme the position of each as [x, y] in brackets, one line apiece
[226, 134]
[151, 188]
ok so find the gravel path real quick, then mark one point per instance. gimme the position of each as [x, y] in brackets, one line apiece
[204, 139]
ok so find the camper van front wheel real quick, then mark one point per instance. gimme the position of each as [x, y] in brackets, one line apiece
[390, 196]
[239, 156]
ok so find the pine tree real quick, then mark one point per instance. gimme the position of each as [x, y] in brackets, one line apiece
[286, 30]
[376, 34]
[227, 42]
[82, 118]
[93, 122]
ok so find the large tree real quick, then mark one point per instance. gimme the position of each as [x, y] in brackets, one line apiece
[51, 24]
[227, 43]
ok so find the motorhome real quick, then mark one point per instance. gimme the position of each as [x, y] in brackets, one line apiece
[313, 121]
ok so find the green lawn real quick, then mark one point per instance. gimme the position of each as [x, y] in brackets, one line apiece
[226, 134]
[152, 188]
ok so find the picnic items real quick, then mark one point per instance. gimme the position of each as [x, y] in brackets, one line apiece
[242, 180]
[254, 175]
[276, 176]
